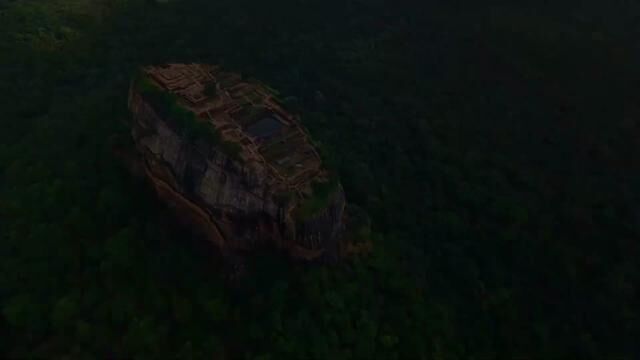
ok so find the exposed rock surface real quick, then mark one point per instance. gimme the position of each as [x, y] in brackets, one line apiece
[243, 200]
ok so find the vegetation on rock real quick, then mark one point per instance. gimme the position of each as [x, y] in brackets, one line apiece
[321, 195]
[192, 128]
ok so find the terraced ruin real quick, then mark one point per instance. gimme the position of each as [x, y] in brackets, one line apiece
[237, 166]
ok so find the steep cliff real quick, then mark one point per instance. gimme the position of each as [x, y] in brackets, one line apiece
[233, 164]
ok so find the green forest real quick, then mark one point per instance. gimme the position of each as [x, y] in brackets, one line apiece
[495, 147]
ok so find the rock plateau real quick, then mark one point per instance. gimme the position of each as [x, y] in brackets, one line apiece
[232, 163]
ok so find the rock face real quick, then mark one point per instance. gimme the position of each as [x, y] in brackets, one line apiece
[232, 163]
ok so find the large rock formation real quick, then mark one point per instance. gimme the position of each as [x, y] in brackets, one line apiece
[232, 163]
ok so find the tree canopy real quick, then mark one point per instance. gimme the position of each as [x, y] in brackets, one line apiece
[494, 146]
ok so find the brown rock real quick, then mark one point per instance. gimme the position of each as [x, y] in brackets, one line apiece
[233, 163]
